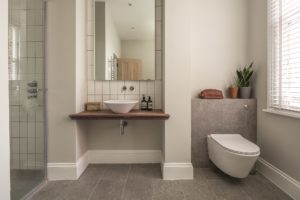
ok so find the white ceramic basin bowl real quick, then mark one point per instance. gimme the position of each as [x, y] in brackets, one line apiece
[121, 106]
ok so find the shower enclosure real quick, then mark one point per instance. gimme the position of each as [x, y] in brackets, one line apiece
[27, 95]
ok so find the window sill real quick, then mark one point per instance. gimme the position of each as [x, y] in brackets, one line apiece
[283, 112]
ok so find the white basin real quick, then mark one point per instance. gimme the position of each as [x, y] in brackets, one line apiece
[121, 106]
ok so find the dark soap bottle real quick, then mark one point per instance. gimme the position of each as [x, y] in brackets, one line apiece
[144, 103]
[149, 104]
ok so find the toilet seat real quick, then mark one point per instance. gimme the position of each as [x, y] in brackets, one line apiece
[235, 143]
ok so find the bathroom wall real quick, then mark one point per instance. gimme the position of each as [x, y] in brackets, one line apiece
[27, 126]
[105, 90]
[144, 50]
[177, 137]
[4, 104]
[67, 84]
[81, 76]
[278, 136]
[219, 36]
[220, 116]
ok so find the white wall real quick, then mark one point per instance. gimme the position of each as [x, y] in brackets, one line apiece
[139, 135]
[219, 35]
[4, 104]
[81, 76]
[278, 136]
[61, 81]
[144, 50]
[177, 138]
[67, 84]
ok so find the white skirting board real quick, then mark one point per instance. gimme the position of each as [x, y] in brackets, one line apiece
[279, 178]
[124, 156]
[177, 171]
[61, 171]
[72, 171]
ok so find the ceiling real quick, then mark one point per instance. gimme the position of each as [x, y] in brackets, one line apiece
[135, 22]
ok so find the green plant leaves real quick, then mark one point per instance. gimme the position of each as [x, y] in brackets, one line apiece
[244, 76]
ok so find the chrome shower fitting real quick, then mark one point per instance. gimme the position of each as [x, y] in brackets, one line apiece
[32, 89]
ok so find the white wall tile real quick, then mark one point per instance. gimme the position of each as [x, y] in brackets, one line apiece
[143, 87]
[98, 87]
[91, 98]
[23, 129]
[31, 161]
[105, 97]
[113, 96]
[23, 161]
[98, 98]
[121, 96]
[30, 33]
[91, 87]
[31, 130]
[158, 102]
[39, 49]
[39, 33]
[30, 17]
[15, 145]
[14, 113]
[39, 65]
[105, 87]
[158, 87]
[150, 87]
[39, 130]
[23, 114]
[121, 84]
[113, 87]
[135, 85]
[15, 161]
[31, 145]
[39, 145]
[39, 17]
[133, 97]
[23, 145]
[15, 129]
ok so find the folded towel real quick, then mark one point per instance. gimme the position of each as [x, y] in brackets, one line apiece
[211, 94]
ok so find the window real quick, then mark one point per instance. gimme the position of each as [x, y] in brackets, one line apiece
[284, 55]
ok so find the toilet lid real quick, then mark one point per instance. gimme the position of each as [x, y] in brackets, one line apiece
[236, 143]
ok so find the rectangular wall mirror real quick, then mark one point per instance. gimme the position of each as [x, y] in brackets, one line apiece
[124, 40]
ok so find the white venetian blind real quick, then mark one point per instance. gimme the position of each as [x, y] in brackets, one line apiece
[285, 54]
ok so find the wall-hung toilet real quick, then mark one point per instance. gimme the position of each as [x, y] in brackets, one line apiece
[232, 153]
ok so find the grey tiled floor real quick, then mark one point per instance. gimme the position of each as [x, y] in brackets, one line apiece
[143, 182]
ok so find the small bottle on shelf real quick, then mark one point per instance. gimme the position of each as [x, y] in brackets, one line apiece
[144, 103]
[149, 104]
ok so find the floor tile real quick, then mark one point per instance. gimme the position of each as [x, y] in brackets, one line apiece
[225, 189]
[259, 188]
[167, 190]
[144, 182]
[54, 190]
[85, 185]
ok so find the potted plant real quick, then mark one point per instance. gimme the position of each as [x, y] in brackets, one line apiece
[233, 90]
[244, 77]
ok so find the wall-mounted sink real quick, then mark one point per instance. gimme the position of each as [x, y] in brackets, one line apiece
[121, 106]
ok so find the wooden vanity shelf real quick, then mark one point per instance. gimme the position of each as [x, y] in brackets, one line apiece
[109, 115]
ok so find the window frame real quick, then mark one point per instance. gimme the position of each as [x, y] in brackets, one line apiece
[270, 108]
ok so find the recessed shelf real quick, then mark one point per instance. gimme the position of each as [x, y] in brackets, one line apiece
[108, 115]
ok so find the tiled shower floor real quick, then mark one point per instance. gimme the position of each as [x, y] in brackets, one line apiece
[143, 182]
[23, 181]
